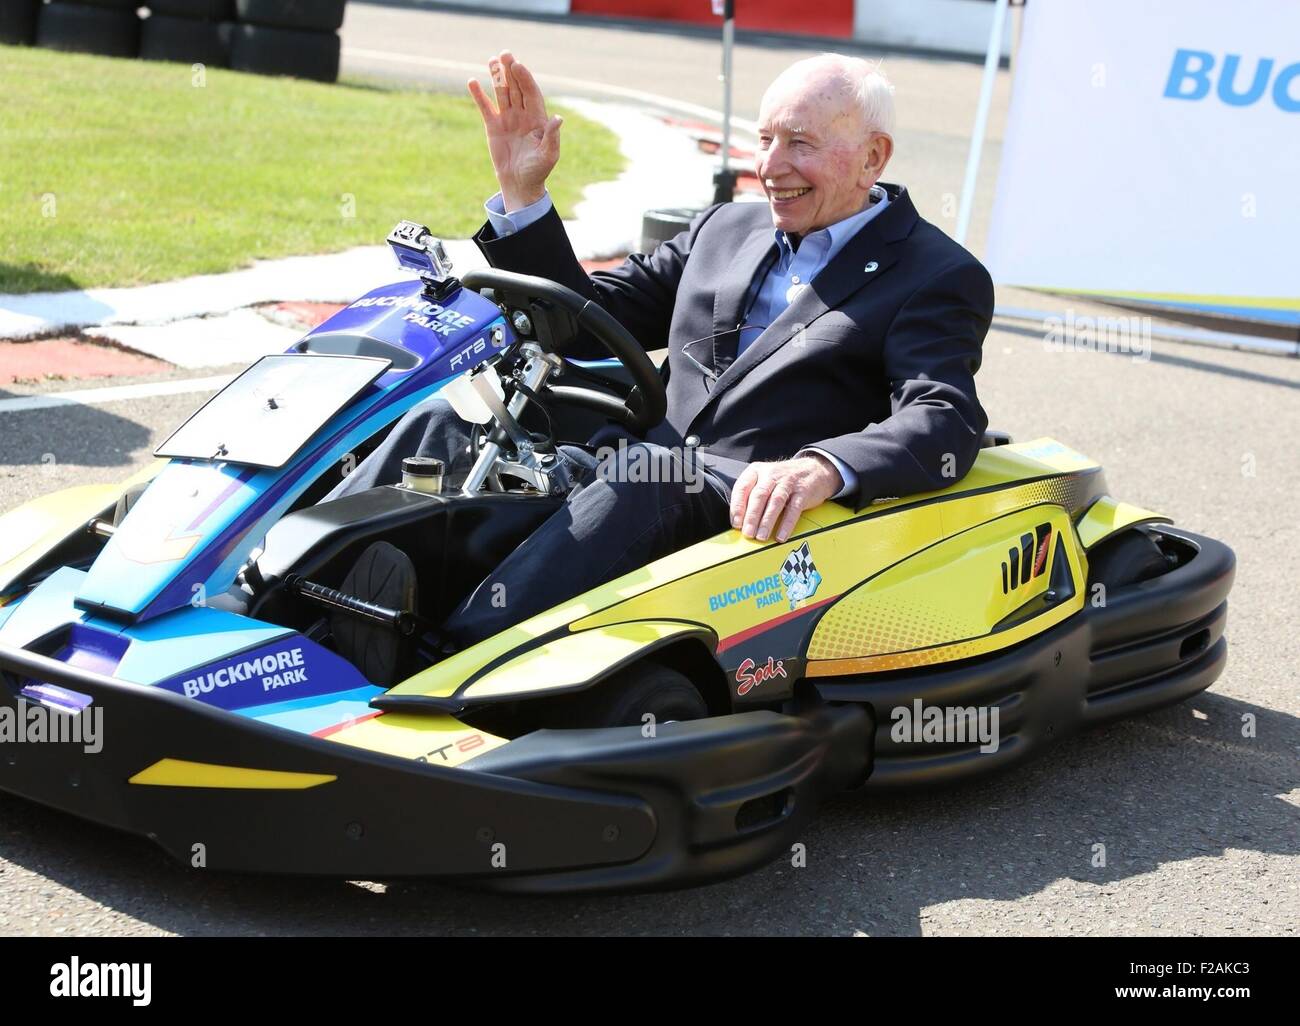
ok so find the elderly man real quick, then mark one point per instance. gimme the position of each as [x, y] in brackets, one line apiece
[822, 345]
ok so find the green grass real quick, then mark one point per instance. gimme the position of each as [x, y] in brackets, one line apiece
[122, 172]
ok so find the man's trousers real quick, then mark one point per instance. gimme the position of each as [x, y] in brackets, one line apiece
[635, 503]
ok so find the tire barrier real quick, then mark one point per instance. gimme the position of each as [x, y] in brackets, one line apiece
[278, 51]
[197, 10]
[306, 15]
[661, 225]
[109, 29]
[18, 21]
[188, 40]
[267, 37]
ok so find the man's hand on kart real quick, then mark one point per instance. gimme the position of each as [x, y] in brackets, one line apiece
[770, 496]
[523, 142]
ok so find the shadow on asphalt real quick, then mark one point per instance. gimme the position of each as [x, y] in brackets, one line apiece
[87, 436]
[1177, 784]
[1170, 359]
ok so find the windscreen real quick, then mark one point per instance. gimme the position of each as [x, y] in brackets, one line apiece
[271, 410]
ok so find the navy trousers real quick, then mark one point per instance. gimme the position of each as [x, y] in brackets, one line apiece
[635, 503]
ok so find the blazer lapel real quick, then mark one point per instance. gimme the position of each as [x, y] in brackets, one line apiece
[753, 259]
[864, 258]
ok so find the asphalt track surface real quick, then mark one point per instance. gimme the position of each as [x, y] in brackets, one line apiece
[1200, 824]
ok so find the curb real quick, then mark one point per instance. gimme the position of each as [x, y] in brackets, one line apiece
[216, 320]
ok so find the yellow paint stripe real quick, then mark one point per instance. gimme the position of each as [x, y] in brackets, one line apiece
[574, 659]
[180, 773]
[1252, 302]
[1109, 515]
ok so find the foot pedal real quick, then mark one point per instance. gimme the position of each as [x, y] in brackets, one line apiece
[384, 576]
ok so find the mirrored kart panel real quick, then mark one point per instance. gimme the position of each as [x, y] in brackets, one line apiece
[271, 410]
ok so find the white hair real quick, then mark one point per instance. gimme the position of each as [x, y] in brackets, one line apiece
[865, 81]
[873, 91]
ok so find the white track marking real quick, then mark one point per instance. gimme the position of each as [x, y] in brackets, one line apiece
[113, 394]
[564, 81]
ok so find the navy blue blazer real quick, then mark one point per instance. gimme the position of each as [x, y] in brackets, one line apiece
[874, 362]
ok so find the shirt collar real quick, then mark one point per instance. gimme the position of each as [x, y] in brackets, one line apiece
[835, 236]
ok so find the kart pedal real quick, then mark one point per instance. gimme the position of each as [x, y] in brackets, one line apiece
[384, 576]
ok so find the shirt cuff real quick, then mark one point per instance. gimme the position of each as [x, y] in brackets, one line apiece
[517, 220]
[847, 475]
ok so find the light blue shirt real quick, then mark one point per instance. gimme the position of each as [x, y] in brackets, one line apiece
[792, 272]
[794, 269]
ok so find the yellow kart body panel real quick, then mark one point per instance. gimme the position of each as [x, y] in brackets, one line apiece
[904, 582]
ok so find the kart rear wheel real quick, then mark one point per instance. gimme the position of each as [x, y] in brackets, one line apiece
[640, 690]
[1126, 558]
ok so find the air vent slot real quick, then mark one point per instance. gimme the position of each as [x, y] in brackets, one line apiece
[758, 813]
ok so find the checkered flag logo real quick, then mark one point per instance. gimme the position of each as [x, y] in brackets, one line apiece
[799, 575]
[799, 563]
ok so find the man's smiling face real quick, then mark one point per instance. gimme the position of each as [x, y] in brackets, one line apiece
[817, 158]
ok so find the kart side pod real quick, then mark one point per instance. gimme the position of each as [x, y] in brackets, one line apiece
[555, 811]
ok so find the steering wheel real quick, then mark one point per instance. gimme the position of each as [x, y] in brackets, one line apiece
[558, 315]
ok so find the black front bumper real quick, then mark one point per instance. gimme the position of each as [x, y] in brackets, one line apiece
[1149, 645]
[558, 810]
[601, 809]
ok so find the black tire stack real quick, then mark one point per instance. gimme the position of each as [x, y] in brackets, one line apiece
[18, 21]
[108, 27]
[269, 37]
[661, 225]
[189, 31]
[288, 37]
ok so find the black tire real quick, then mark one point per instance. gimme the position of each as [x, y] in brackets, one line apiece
[18, 21]
[661, 225]
[624, 698]
[385, 576]
[314, 15]
[165, 38]
[199, 10]
[1126, 558]
[274, 51]
[82, 29]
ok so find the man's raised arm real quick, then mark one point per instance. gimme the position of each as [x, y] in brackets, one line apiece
[524, 233]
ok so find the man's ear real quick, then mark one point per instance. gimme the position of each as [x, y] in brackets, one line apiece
[879, 151]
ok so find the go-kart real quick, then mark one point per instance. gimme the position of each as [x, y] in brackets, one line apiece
[266, 707]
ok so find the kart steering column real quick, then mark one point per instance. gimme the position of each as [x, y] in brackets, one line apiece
[536, 371]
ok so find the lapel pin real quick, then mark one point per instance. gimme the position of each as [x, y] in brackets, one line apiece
[870, 267]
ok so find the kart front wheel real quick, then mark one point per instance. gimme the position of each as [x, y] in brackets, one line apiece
[1126, 558]
[645, 689]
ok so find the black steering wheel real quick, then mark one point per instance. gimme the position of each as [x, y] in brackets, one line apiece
[558, 315]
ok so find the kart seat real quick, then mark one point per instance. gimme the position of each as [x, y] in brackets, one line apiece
[454, 540]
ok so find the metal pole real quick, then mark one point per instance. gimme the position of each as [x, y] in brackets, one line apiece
[724, 180]
[981, 120]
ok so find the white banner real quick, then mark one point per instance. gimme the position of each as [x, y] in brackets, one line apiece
[1152, 152]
